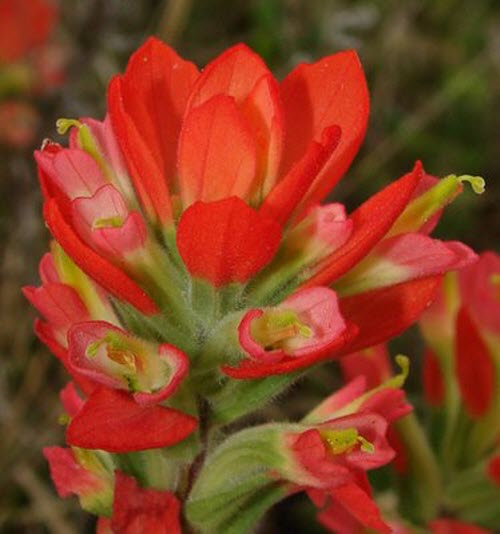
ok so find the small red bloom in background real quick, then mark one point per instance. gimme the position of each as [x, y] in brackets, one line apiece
[463, 325]
[26, 24]
[31, 63]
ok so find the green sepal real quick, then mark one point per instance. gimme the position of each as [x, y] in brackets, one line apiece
[253, 509]
[156, 328]
[152, 468]
[241, 397]
[234, 475]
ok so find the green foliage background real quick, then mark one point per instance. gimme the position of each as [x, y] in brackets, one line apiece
[434, 73]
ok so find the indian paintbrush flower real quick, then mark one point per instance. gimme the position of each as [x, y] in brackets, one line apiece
[194, 275]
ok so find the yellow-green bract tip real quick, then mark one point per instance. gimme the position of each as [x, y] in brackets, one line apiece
[63, 125]
[477, 183]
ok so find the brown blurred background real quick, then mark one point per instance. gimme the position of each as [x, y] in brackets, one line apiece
[434, 72]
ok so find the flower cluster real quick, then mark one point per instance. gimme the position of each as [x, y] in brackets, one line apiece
[194, 274]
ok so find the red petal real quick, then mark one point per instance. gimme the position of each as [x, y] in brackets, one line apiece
[251, 369]
[233, 73]
[432, 379]
[330, 91]
[226, 241]
[288, 193]
[146, 107]
[140, 510]
[371, 221]
[110, 420]
[475, 368]
[209, 169]
[102, 271]
[384, 313]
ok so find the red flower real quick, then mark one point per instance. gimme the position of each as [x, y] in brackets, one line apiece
[347, 437]
[110, 356]
[307, 325]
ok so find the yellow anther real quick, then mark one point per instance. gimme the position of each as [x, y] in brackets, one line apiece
[277, 326]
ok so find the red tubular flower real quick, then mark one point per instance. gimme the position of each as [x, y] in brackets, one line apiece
[110, 356]
[306, 323]
[81, 473]
[346, 438]
[137, 509]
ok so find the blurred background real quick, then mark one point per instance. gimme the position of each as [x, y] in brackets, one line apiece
[433, 69]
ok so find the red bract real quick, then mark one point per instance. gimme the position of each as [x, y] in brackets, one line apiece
[112, 421]
[226, 241]
[137, 509]
[463, 325]
[432, 379]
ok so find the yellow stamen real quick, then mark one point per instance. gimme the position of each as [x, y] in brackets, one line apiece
[277, 326]
[344, 440]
